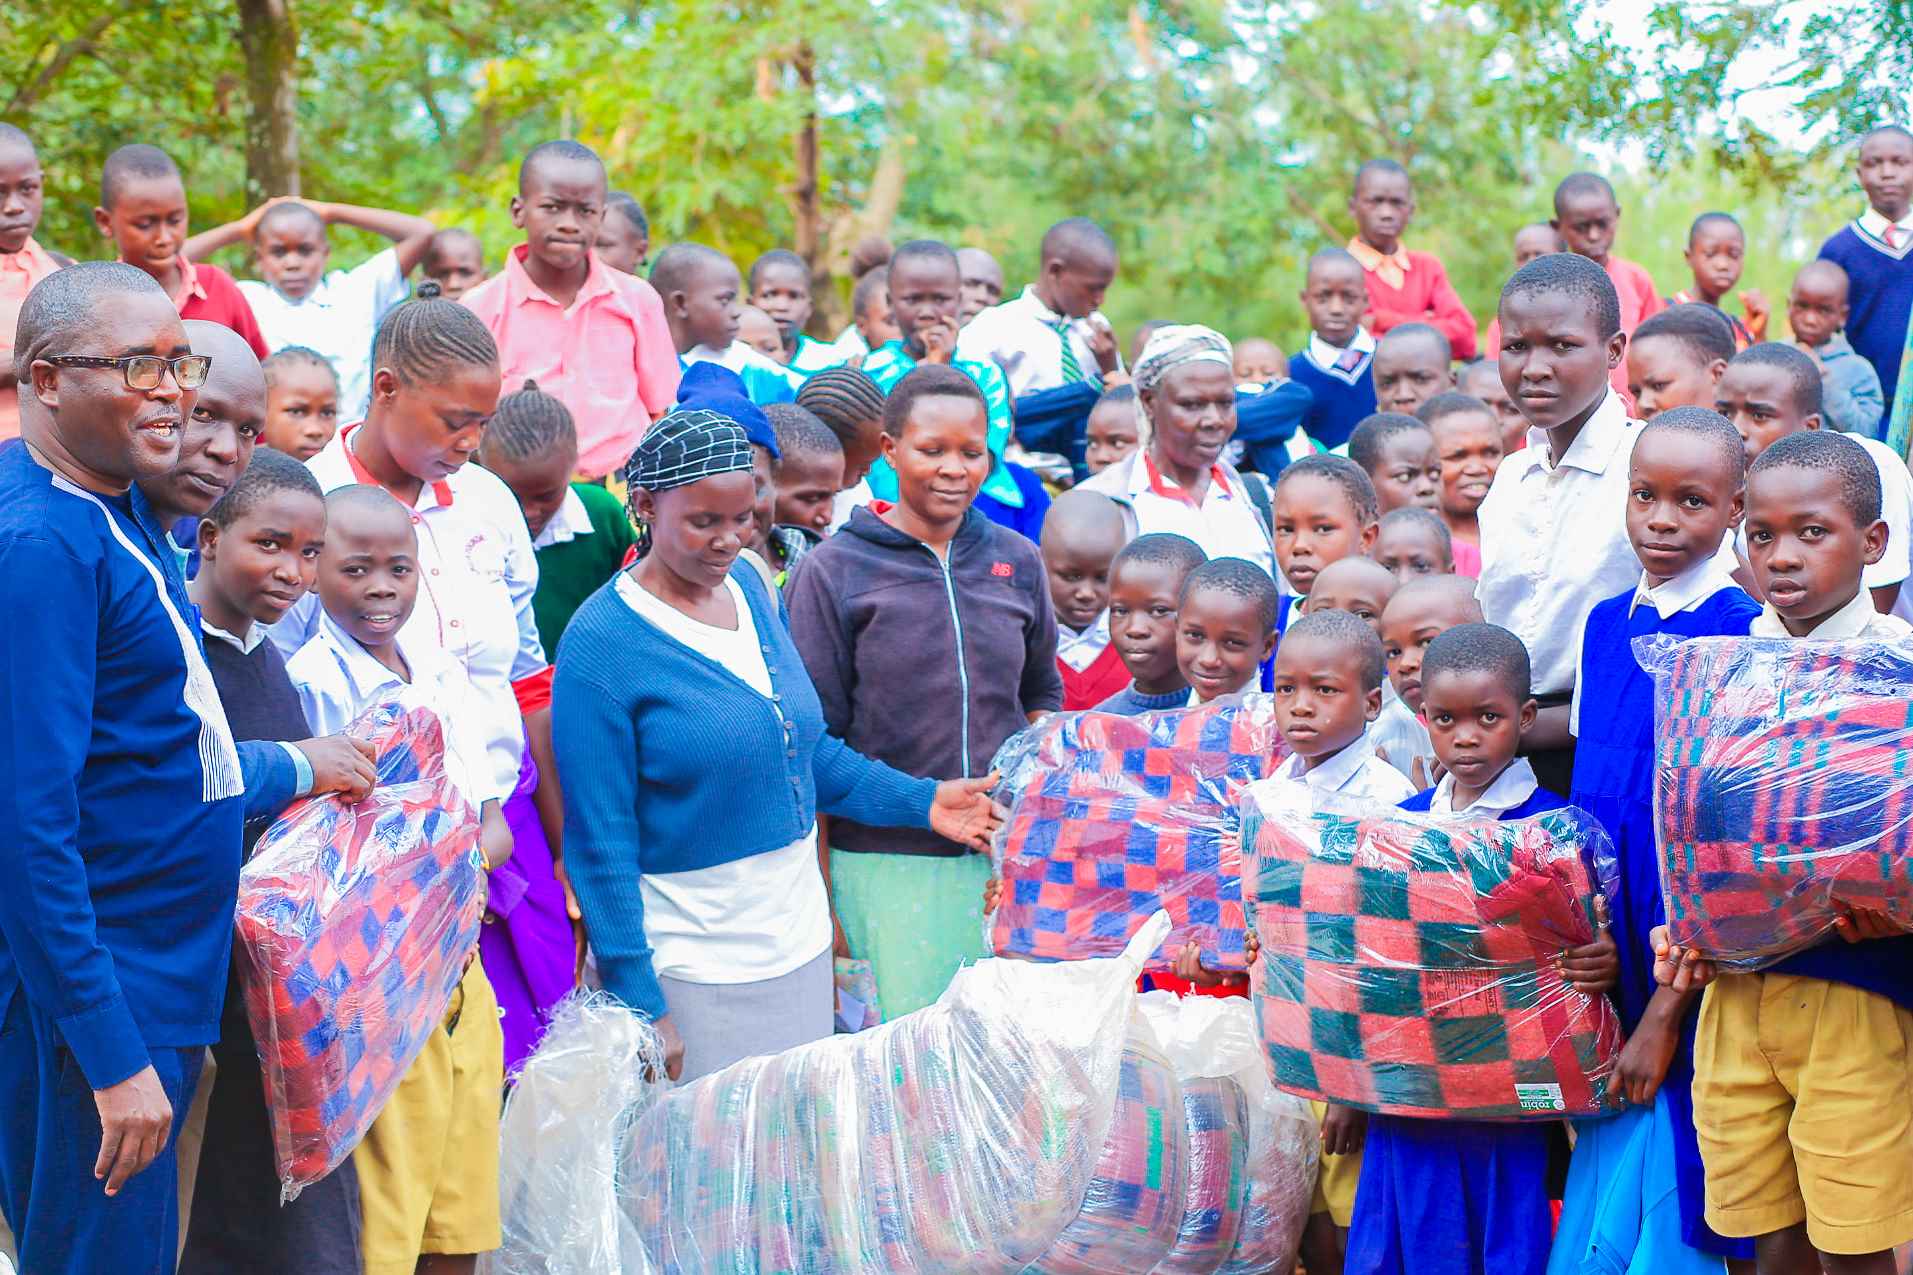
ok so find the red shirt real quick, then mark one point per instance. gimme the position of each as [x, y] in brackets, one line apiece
[209, 293]
[1423, 296]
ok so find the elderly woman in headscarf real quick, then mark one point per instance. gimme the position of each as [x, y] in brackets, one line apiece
[694, 761]
[1180, 480]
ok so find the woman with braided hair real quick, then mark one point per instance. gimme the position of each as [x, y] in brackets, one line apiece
[693, 776]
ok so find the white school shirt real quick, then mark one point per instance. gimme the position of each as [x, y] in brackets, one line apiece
[571, 521]
[338, 680]
[1024, 338]
[1554, 541]
[1080, 650]
[477, 575]
[1510, 788]
[754, 918]
[1896, 510]
[1857, 619]
[1226, 526]
[1398, 732]
[1680, 594]
[1355, 772]
[338, 319]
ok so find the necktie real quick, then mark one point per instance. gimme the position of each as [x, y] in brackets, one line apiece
[1888, 236]
[1072, 370]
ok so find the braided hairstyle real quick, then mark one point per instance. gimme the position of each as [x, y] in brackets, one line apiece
[297, 356]
[529, 423]
[845, 399]
[430, 335]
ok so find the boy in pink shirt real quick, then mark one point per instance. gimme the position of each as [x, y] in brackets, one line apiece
[1403, 286]
[1586, 215]
[594, 337]
[23, 262]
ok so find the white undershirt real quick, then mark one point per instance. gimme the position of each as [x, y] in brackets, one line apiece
[754, 918]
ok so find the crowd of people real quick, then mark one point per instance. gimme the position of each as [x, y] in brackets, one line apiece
[726, 620]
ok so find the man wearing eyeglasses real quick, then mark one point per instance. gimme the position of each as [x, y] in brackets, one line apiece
[121, 807]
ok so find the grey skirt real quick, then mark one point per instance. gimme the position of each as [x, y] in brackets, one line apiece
[721, 1023]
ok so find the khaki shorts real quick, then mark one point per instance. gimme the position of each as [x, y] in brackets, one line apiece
[1803, 1100]
[1335, 1184]
[428, 1168]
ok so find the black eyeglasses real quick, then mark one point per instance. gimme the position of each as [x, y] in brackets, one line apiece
[143, 371]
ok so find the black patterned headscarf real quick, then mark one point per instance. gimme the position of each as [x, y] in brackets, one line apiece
[685, 446]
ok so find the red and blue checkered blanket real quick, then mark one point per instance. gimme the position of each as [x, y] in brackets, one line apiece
[1112, 818]
[1409, 963]
[1783, 789]
[354, 924]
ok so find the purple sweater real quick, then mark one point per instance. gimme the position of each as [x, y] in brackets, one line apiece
[925, 664]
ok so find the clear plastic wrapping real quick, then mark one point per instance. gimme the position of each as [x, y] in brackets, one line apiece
[1410, 963]
[354, 922]
[1782, 793]
[1114, 817]
[960, 1138]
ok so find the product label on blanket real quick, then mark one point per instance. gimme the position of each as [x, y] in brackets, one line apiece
[1540, 1098]
[1112, 818]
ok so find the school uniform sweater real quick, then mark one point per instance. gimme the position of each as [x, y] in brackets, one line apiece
[1614, 782]
[1105, 676]
[1130, 702]
[925, 661]
[1341, 395]
[669, 763]
[1424, 296]
[1879, 299]
[574, 568]
[260, 704]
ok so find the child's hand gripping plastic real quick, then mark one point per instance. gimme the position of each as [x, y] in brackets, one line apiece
[354, 924]
[1782, 799]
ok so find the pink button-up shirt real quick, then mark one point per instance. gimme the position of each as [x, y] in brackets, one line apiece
[19, 271]
[609, 358]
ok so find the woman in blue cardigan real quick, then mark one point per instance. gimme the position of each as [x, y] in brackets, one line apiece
[694, 759]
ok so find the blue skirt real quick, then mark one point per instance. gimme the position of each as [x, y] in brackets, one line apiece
[1451, 1197]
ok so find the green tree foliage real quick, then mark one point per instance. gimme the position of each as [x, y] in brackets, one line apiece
[1215, 138]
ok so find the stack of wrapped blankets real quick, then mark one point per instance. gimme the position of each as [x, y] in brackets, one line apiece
[354, 923]
[1783, 789]
[1114, 817]
[1030, 1119]
[1409, 963]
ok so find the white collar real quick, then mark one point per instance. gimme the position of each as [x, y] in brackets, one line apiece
[1337, 772]
[571, 521]
[362, 670]
[1510, 788]
[1874, 222]
[1593, 449]
[1850, 621]
[245, 646]
[1685, 591]
[1038, 310]
[1323, 355]
[1096, 634]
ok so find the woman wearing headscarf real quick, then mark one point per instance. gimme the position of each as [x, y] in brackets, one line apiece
[694, 761]
[1179, 481]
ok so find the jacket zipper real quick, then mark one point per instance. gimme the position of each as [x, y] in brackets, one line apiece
[963, 671]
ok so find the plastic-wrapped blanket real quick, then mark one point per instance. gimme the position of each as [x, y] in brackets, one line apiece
[962, 1137]
[1409, 963]
[354, 923]
[1782, 789]
[1114, 817]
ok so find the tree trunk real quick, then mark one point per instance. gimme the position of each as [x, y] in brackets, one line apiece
[807, 215]
[270, 41]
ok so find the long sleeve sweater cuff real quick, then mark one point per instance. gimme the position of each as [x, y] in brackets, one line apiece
[633, 980]
[105, 1042]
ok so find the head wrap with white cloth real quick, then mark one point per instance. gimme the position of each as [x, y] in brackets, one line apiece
[1169, 348]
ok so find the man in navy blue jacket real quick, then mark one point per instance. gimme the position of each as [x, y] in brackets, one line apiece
[120, 821]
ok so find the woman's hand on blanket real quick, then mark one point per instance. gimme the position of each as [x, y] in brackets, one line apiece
[1593, 967]
[672, 1045]
[1680, 968]
[1344, 1129]
[341, 764]
[964, 812]
[1251, 947]
[1857, 925]
[1190, 969]
[992, 891]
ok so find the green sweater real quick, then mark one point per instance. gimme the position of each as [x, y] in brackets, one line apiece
[569, 573]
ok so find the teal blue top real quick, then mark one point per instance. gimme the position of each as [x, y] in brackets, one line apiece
[889, 363]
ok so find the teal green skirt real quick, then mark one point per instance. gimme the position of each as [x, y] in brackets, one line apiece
[917, 919]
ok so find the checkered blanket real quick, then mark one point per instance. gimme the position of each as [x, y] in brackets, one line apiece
[1408, 963]
[354, 924]
[1783, 789]
[1114, 817]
